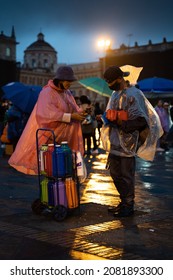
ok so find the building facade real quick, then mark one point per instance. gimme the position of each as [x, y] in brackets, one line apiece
[8, 46]
[41, 63]
[156, 59]
[9, 70]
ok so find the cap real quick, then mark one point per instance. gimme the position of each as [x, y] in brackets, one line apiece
[65, 73]
[114, 72]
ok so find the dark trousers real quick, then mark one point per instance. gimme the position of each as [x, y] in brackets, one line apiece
[94, 140]
[122, 171]
[87, 136]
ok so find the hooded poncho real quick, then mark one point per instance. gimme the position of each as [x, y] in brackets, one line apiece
[116, 141]
[53, 111]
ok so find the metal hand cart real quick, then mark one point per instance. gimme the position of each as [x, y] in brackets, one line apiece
[53, 200]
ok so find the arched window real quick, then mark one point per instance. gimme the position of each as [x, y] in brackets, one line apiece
[45, 63]
[33, 63]
[8, 51]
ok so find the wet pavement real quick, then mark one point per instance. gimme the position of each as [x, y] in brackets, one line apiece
[90, 232]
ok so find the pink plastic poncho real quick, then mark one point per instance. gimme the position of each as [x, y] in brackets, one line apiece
[49, 112]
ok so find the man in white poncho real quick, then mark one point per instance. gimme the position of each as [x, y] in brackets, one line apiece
[131, 128]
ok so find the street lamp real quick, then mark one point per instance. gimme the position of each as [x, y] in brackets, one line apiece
[104, 45]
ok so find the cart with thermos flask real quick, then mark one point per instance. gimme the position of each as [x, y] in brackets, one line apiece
[59, 169]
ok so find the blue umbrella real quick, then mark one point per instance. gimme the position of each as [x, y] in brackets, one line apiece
[156, 84]
[22, 96]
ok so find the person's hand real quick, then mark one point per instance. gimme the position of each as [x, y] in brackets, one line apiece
[98, 117]
[119, 122]
[78, 116]
[88, 110]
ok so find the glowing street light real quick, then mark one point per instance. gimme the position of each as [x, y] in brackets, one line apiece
[104, 44]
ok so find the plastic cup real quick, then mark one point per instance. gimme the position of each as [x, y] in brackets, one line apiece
[122, 115]
[111, 115]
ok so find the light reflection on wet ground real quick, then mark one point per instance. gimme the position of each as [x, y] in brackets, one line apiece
[153, 183]
[99, 188]
[157, 175]
[76, 255]
[152, 178]
[95, 234]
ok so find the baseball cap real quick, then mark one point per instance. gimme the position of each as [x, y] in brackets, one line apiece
[114, 72]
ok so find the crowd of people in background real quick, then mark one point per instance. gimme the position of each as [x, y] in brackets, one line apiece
[129, 126]
[92, 128]
[90, 124]
[4, 105]
[164, 112]
[13, 121]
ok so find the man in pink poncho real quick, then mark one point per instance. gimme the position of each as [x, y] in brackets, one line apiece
[57, 110]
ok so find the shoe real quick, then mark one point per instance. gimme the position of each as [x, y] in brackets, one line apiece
[95, 152]
[113, 209]
[160, 150]
[124, 212]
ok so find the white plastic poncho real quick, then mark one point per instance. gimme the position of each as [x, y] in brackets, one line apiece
[116, 141]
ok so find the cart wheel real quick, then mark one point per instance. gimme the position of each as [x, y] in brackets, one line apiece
[38, 207]
[59, 213]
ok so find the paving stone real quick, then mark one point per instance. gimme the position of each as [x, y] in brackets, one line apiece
[90, 233]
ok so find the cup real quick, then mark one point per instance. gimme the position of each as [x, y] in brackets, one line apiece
[122, 115]
[111, 114]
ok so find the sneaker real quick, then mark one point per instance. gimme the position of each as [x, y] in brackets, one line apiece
[113, 209]
[95, 152]
[124, 212]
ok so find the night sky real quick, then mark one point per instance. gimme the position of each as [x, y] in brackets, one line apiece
[74, 27]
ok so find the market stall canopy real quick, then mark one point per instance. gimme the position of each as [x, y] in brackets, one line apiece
[156, 87]
[156, 84]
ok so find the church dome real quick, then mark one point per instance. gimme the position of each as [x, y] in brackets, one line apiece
[40, 55]
[40, 45]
